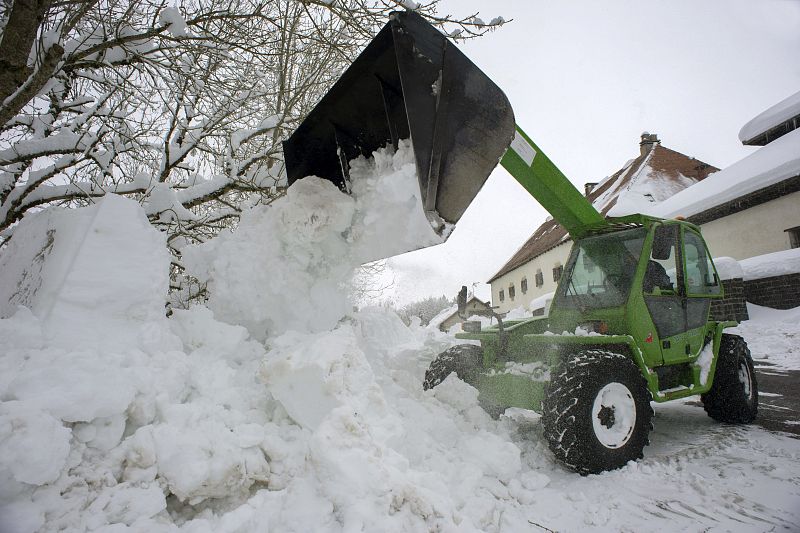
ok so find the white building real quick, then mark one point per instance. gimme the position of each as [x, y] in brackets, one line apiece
[752, 207]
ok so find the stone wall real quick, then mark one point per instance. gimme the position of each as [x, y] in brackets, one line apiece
[778, 292]
[733, 306]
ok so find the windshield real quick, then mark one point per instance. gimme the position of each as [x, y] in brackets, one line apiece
[601, 269]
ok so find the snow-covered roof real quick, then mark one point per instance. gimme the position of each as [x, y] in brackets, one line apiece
[443, 315]
[773, 163]
[774, 116]
[446, 314]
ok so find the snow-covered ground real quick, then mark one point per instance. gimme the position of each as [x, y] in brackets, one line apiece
[773, 336]
[247, 415]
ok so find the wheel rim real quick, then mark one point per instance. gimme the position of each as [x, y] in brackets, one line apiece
[614, 415]
[746, 380]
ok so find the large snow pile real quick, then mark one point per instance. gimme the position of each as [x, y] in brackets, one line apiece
[62, 263]
[189, 424]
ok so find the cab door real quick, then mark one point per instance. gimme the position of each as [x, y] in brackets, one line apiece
[701, 285]
[664, 295]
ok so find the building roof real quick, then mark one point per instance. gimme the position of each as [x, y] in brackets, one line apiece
[775, 122]
[657, 174]
[770, 165]
[448, 313]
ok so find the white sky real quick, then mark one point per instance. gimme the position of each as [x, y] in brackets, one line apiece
[586, 78]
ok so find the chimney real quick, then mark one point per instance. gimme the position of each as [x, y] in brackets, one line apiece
[649, 140]
[588, 188]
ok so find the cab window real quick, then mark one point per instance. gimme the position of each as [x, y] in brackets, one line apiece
[661, 274]
[701, 278]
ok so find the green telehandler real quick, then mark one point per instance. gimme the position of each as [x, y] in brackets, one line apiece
[630, 321]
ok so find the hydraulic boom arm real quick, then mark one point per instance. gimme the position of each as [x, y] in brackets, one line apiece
[545, 182]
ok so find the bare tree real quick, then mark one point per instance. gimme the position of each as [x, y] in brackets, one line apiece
[181, 107]
[426, 309]
[370, 281]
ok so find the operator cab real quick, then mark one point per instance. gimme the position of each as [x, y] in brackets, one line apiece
[656, 280]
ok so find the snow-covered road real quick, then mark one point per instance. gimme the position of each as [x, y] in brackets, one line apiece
[697, 475]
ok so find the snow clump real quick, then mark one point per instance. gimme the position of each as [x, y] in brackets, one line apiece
[287, 265]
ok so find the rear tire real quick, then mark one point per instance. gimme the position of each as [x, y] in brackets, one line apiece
[464, 359]
[596, 412]
[733, 396]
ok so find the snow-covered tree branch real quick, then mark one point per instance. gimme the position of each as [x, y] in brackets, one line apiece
[182, 107]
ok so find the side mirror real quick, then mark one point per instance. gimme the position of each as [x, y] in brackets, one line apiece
[462, 301]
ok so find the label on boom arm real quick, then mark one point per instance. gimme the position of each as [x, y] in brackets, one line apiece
[523, 149]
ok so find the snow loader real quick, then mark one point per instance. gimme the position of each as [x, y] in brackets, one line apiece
[630, 321]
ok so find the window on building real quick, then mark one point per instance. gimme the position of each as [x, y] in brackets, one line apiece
[557, 271]
[523, 285]
[539, 278]
[511, 292]
[794, 237]
[502, 295]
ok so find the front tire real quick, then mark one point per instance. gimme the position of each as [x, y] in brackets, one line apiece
[596, 412]
[733, 396]
[464, 359]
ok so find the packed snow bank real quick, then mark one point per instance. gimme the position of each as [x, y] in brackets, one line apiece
[728, 268]
[782, 111]
[196, 442]
[67, 262]
[772, 336]
[769, 265]
[287, 265]
[542, 302]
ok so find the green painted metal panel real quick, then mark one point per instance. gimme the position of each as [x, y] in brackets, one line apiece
[508, 390]
[545, 182]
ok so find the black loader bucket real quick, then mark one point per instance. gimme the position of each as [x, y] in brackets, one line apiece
[409, 82]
